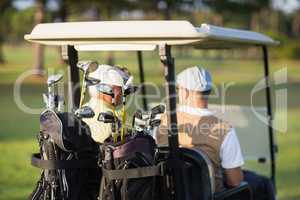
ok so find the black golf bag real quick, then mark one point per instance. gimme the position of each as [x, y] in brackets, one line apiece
[131, 170]
[68, 158]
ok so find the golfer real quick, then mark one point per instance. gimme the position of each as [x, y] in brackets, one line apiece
[114, 78]
[199, 128]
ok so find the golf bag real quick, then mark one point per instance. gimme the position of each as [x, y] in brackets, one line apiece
[131, 171]
[68, 159]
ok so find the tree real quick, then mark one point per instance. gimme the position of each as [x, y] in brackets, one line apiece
[4, 6]
[61, 15]
[296, 23]
[246, 12]
[37, 48]
[101, 10]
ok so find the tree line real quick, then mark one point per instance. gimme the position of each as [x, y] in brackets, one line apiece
[258, 15]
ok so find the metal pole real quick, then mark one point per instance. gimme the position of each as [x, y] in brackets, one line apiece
[70, 56]
[175, 162]
[169, 70]
[273, 147]
[142, 79]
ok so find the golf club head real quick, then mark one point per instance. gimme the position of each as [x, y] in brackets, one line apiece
[157, 110]
[105, 89]
[91, 81]
[130, 90]
[128, 83]
[155, 122]
[138, 114]
[106, 117]
[87, 66]
[52, 79]
[85, 112]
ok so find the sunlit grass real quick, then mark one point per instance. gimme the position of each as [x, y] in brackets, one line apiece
[18, 129]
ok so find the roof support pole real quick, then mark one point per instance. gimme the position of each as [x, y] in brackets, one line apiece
[169, 72]
[273, 147]
[175, 163]
[142, 79]
[70, 56]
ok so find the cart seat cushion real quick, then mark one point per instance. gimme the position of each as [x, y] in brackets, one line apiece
[199, 174]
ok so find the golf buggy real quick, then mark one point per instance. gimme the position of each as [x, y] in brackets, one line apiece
[188, 171]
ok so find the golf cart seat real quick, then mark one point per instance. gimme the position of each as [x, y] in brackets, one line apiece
[199, 181]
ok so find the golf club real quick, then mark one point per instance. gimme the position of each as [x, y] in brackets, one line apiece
[106, 117]
[145, 121]
[85, 112]
[87, 67]
[109, 117]
[126, 90]
[105, 89]
[52, 95]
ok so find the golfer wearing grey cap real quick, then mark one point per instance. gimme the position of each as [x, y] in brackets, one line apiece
[199, 128]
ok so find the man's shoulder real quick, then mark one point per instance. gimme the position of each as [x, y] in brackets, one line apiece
[187, 116]
[220, 126]
[220, 121]
[215, 124]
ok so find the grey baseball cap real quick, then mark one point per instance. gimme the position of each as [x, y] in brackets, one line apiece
[195, 78]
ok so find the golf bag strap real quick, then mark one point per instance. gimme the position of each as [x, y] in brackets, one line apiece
[140, 172]
[62, 164]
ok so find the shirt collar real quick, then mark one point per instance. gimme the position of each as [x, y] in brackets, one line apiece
[195, 111]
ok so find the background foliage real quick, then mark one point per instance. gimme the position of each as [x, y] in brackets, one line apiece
[17, 17]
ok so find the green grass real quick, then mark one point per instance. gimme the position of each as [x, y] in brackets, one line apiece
[18, 129]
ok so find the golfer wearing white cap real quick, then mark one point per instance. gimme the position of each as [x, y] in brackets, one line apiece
[199, 128]
[112, 79]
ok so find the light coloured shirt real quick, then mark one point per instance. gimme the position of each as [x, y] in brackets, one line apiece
[230, 154]
[100, 131]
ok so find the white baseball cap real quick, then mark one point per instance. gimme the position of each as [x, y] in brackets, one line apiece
[110, 75]
[195, 78]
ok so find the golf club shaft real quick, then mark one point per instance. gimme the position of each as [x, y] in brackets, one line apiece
[115, 131]
[51, 97]
[83, 88]
[123, 123]
[60, 107]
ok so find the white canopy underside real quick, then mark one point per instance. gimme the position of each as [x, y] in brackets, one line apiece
[142, 35]
[115, 47]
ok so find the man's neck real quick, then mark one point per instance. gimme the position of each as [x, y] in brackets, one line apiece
[196, 104]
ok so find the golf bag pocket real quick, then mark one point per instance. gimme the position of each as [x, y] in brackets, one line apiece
[66, 130]
[68, 158]
[129, 170]
[73, 179]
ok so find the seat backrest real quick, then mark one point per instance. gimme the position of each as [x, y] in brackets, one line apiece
[199, 174]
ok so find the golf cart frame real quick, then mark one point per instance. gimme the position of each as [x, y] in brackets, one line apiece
[141, 36]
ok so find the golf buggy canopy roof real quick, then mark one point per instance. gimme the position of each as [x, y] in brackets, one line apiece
[146, 36]
[143, 35]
